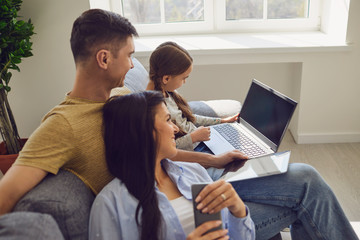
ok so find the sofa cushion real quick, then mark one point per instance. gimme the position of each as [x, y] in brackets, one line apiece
[66, 198]
[120, 91]
[33, 226]
[215, 108]
[137, 78]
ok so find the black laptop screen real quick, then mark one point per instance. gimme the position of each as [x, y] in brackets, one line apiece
[268, 111]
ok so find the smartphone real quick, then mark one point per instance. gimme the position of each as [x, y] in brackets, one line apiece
[200, 217]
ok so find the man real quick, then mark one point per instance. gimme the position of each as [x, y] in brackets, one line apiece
[70, 135]
[70, 138]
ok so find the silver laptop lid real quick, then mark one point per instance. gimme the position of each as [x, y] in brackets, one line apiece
[275, 163]
[267, 113]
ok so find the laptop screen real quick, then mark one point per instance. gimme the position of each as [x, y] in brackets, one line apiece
[268, 111]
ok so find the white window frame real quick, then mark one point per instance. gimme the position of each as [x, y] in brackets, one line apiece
[171, 28]
[312, 23]
[214, 21]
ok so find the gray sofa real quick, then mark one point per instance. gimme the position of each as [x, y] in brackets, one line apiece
[67, 199]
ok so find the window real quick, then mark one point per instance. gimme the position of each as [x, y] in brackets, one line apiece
[267, 15]
[155, 17]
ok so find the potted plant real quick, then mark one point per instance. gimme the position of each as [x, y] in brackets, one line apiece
[15, 44]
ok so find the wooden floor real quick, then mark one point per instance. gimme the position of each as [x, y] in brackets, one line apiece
[339, 165]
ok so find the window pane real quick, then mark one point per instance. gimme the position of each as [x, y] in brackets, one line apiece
[184, 11]
[142, 11]
[244, 9]
[287, 9]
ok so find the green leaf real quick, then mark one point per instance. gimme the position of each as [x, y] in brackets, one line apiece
[15, 39]
[7, 88]
[15, 60]
[2, 24]
[28, 54]
[14, 67]
[7, 77]
[5, 8]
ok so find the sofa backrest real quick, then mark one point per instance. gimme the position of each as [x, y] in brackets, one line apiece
[137, 78]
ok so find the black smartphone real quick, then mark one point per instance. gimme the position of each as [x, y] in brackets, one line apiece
[200, 217]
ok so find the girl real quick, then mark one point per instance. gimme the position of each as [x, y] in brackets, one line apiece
[170, 66]
[150, 197]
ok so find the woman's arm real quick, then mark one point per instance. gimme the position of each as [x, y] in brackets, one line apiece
[185, 142]
[209, 160]
[241, 228]
[219, 195]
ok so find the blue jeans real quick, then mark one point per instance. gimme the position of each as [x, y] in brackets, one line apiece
[300, 199]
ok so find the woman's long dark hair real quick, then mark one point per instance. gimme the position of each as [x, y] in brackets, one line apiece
[171, 59]
[130, 150]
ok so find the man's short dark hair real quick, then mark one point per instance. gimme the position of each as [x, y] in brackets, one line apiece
[96, 27]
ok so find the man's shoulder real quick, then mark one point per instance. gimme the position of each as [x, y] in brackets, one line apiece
[76, 109]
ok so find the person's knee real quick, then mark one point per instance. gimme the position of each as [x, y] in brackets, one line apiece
[305, 172]
[312, 179]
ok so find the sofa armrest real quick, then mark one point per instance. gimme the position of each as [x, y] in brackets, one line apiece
[66, 198]
[215, 108]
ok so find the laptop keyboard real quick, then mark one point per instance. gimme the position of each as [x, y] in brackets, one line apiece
[239, 140]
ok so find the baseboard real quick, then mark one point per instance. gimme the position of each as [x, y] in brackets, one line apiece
[356, 227]
[310, 138]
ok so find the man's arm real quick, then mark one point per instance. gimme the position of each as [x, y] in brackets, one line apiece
[209, 160]
[17, 181]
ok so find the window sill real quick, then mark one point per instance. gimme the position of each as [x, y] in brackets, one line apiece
[208, 49]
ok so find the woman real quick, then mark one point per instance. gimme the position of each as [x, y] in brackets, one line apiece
[150, 197]
[300, 198]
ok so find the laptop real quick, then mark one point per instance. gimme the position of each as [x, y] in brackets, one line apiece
[261, 126]
[275, 163]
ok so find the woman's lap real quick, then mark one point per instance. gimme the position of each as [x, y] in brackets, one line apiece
[300, 197]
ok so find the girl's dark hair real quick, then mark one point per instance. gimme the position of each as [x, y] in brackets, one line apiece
[96, 27]
[130, 150]
[171, 59]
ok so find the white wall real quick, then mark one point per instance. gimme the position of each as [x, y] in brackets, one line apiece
[326, 84]
[49, 74]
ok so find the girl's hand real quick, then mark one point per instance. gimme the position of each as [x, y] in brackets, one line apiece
[203, 228]
[230, 119]
[200, 134]
[219, 195]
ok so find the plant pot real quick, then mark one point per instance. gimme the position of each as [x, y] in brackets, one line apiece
[6, 160]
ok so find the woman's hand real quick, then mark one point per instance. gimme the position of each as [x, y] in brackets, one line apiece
[221, 160]
[200, 134]
[203, 228]
[219, 195]
[230, 119]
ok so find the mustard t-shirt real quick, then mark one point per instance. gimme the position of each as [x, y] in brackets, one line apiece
[70, 137]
